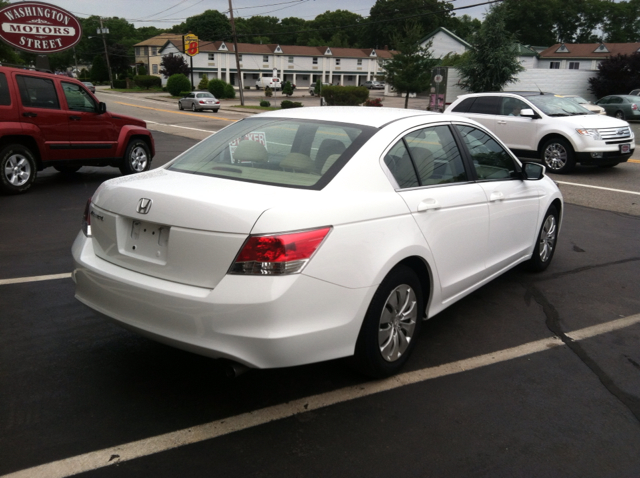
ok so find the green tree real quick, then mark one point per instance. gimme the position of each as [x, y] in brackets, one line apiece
[387, 17]
[290, 28]
[493, 61]
[287, 88]
[409, 71]
[211, 25]
[622, 22]
[204, 82]
[531, 22]
[99, 70]
[339, 26]
[258, 29]
[465, 26]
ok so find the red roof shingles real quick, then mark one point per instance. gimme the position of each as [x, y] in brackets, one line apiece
[589, 50]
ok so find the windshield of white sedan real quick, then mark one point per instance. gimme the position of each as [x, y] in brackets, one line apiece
[283, 152]
[552, 105]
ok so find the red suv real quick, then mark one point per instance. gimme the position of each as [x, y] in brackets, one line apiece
[50, 120]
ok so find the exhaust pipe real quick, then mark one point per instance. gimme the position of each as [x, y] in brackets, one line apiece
[233, 369]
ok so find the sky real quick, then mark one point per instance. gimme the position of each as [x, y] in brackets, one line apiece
[166, 13]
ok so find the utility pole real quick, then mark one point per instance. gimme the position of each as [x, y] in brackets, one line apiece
[235, 47]
[106, 52]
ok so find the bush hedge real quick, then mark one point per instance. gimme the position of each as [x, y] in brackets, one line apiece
[119, 84]
[178, 83]
[147, 81]
[345, 95]
[290, 104]
[265, 103]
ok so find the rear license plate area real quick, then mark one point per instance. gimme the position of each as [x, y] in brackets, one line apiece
[147, 240]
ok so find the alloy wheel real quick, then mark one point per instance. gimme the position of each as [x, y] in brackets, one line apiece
[397, 323]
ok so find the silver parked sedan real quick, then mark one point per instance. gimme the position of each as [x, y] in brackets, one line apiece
[198, 101]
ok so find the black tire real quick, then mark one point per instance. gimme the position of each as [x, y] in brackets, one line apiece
[180, 107]
[558, 156]
[546, 242]
[399, 295]
[67, 169]
[137, 158]
[619, 115]
[193, 107]
[17, 169]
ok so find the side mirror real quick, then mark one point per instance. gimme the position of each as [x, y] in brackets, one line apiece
[528, 113]
[533, 171]
[102, 108]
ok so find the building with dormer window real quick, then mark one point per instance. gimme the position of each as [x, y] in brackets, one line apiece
[301, 65]
[582, 56]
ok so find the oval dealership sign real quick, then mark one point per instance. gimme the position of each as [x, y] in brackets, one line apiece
[39, 27]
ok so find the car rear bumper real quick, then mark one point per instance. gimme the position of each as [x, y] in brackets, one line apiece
[259, 321]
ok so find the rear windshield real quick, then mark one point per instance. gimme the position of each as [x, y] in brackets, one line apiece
[282, 152]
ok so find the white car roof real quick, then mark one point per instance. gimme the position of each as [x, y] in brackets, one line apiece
[362, 115]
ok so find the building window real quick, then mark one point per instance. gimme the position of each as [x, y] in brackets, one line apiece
[137, 51]
[212, 56]
[265, 59]
[315, 60]
[554, 65]
[574, 65]
[360, 62]
[154, 50]
[337, 61]
[239, 57]
[290, 59]
[154, 68]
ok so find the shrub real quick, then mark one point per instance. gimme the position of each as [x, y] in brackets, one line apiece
[177, 83]
[345, 95]
[287, 88]
[373, 102]
[184, 93]
[120, 84]
[216, 87]
[265, 103]
[204, 83]
[229, 91]
[290, 104]
[147, 81]
[268, 92]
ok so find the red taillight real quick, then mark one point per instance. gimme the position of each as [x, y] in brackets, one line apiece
[86, 219]
[634, 106]
[202, 102]
[279, 253]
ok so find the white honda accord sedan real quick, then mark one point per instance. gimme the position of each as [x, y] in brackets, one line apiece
[309, 234]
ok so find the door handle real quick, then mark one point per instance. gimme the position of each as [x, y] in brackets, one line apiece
[30, 115]
[427, 204]
[75, 118]
[496, 196]
[502, 122]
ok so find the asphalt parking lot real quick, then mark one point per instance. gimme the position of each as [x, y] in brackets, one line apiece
[532, 375]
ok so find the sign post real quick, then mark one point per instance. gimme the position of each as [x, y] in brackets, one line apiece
[191, 48]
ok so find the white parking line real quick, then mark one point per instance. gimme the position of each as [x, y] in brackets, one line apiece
[20, 280]
[599, 187]
[183, 127]
[149, 446]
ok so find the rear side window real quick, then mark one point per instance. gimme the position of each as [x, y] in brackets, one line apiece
[5, 99]
[487, 105]
[38, 92]
[464, 106]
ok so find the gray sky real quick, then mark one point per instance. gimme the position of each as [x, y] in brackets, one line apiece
[166, 13]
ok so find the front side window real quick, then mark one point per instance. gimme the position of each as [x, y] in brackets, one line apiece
[38, 92]
[5, 98]
[426, 157]
[512, 106]
[280, 152]
[77, 98]
[490, 160]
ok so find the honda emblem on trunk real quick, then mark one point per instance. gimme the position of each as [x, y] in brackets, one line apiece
[144, 206]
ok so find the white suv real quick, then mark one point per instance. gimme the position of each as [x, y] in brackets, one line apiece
[550, 127]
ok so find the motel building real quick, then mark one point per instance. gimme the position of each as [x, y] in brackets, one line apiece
[301, 65]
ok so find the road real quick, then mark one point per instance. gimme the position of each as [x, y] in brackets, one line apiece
[532, 375]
